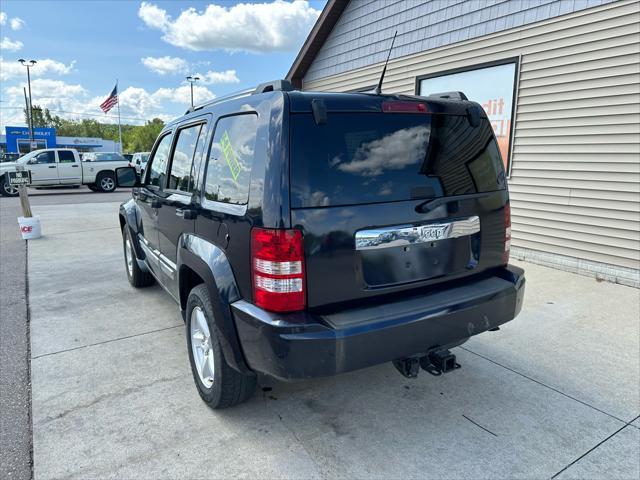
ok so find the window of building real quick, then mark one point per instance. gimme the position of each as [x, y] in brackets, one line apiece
[66, 156]
[230, 159]
[180, 177]
[159, 162]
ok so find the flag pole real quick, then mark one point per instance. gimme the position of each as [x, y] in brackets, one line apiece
[119, 127]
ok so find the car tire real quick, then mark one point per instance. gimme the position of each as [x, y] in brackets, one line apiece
[106, 182]
[219, 385]
[7, 190]
[138, 278]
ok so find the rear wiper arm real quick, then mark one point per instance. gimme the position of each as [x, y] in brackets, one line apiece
[430, 204]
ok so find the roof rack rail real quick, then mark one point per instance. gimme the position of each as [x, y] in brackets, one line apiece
[273, 86]
[230, 96]
[449, 95]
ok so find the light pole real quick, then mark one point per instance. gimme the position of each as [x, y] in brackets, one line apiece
[29, 64]
[191, 81]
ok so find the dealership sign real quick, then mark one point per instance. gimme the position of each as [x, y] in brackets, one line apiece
[18, 139]
[492, 86]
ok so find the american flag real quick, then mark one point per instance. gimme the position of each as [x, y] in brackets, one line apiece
[111, 100]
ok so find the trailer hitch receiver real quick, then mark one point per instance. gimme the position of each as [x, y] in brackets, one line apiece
[439, 362]
[408, 367]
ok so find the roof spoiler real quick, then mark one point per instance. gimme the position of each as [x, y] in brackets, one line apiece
[449, 95]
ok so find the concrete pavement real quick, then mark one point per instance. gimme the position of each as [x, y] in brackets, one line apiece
[15, 413]
[15, 386]
[553, 393]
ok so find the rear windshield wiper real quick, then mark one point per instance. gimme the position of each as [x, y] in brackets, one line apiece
[430, 204]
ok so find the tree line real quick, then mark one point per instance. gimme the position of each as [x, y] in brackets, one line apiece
[135, 138]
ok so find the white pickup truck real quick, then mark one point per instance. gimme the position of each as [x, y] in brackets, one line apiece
[62, 166]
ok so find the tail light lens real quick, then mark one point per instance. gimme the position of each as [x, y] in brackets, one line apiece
[507, 233]
[404, 107]
[277, 269]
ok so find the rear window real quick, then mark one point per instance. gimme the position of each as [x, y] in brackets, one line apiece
[358, 158]
[108, 157]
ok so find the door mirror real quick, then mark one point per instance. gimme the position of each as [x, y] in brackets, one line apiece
[127, 177]
[33, 161]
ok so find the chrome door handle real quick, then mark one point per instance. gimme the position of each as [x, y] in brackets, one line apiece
[52, 166]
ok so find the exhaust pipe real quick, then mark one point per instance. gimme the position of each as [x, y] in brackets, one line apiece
[439, 362]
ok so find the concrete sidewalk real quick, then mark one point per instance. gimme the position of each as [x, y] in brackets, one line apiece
[553, 394]
[15, 398]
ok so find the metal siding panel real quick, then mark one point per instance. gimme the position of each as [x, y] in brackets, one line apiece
[577, 136]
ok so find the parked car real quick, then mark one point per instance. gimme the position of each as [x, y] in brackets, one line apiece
[308, 234]
[139, 161]
[61, 166]
[128, 156]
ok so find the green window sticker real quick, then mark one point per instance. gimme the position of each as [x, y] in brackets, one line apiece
[230, 156]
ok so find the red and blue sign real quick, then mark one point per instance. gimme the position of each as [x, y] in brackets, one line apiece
[18, 138]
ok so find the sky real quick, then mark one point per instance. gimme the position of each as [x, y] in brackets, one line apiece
[82, 47]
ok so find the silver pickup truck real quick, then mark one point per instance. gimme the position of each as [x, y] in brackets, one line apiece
[63, 166]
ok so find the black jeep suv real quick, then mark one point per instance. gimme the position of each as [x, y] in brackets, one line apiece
[308, 234]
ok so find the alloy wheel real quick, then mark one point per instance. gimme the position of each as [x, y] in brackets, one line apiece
[201, 347]
[107, 184]
[128, 254]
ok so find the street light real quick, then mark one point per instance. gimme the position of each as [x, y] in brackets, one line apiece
[29, 64]
[191, 81]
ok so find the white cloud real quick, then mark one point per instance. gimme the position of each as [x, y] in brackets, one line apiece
[393, 152]
[16, 23]
[13, 69]
[43, 89]
[259, 27]
[74, 101]
[182, 95]
[13, 46]
[165, 65]
[212, 78]
[153, 16]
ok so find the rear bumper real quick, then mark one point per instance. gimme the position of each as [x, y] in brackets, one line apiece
[302, 345]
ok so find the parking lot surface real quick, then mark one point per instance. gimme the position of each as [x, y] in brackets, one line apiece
[552, 394]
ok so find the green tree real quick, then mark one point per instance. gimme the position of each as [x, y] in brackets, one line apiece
[135, 138]
[141, 139]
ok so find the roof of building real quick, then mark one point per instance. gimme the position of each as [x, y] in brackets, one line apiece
[319, 33]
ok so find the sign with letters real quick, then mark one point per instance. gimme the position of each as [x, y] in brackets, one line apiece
[20, 179]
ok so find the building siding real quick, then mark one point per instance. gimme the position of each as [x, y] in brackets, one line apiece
[362, 35]
[575, 177]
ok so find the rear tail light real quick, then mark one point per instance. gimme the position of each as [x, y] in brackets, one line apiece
[507, 233]
[277, 269]
[404, 107]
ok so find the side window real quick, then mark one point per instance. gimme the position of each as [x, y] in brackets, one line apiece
[180, 173]
[231, 158]
[159, 162]
[46, 157]
[66, 156]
